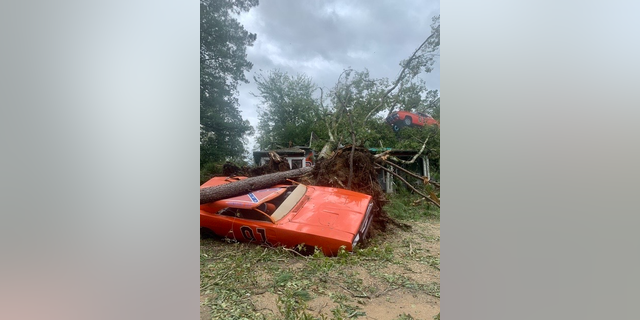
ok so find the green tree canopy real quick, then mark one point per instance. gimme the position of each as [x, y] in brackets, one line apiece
[223, 62]
[288, 111]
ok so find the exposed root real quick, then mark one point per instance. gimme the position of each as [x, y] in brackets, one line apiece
[334, 172]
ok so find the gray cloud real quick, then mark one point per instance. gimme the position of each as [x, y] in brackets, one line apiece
[322, 38]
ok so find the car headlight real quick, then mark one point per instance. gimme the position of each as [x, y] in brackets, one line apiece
[355, 241]
[367, 219]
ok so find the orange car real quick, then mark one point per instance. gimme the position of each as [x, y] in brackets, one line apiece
[399, 119]
[294, 216]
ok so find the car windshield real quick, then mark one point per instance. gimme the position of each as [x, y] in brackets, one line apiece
[270, 211]
[290, 202]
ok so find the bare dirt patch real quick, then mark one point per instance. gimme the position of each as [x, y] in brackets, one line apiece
[266, 305]
[416, 273]
[399, 303]
[204, 309]
[321, 306]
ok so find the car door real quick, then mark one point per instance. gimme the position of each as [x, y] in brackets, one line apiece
[220, 224]
[255, 231]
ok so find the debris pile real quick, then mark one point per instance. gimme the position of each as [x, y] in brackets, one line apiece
[335, 172]
[275, 164]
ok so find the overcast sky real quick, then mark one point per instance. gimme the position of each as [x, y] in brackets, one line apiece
[322, 38]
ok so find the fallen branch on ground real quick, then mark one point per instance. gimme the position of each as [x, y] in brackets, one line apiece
[425, 180]
[409, 185]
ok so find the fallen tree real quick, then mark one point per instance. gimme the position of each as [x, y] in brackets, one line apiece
[244, 186]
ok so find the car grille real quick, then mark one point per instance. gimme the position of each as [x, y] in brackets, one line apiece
[368, 216]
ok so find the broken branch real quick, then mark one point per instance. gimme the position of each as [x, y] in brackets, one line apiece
[353, 148]
[424, 179]
[414, 157]
[428, 198]
[399, 79]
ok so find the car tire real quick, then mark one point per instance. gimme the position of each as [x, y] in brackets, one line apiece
[305, 249]
[395, 128]
[407, 121]
[206, 233]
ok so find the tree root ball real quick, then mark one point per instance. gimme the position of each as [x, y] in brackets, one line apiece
[334, 172]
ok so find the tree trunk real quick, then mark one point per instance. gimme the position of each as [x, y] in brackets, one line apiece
[327, 150]
[233, 189]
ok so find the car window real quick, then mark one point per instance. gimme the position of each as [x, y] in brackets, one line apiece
[248, 214]
[229, 212]
[290, 202]
[275, 208]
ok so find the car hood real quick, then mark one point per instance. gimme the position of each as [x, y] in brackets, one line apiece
[334, 208]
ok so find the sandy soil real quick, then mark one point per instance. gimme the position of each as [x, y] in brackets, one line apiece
[387, 303]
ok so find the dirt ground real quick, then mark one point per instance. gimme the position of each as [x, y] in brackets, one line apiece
[391, 303]
[405, 286]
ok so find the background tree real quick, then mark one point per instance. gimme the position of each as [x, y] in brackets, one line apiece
[288, 111]
[223, 62]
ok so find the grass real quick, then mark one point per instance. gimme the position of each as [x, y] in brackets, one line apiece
[246, 281]
[404, 206]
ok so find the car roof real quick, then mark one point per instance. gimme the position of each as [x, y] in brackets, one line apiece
[252, 199]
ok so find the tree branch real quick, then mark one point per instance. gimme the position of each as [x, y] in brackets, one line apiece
[409, 185]
[400, 77]
[327, 118]
[414, 157]
[353, 148]
[424, 179]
